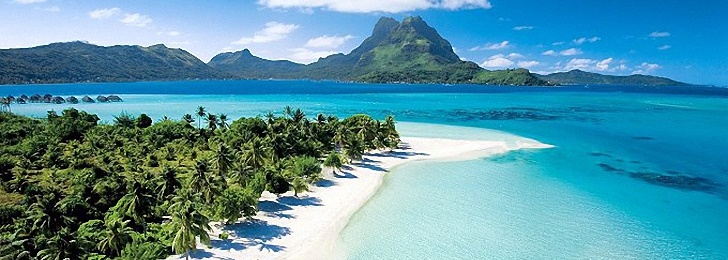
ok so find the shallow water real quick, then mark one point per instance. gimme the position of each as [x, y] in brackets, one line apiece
[637, 173]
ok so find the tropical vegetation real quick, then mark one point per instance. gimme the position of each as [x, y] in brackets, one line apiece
[72, 188]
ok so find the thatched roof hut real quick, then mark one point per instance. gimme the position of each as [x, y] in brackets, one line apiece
[23, 96]
[72, 100]
[21, 100]
[87, 99]
[47, 98]
[114, 98]
[101, 98]
[36, 98]
[58, 100]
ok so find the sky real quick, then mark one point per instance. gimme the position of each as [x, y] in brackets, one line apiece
[684, 40]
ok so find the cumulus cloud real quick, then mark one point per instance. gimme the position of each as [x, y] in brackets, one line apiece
[306, 56]
[581, 64]
[514, 55]
[528, 63]
[136, 19]
[549, 53]
[491, 46]
[664, 47]
[523, 28]
[369, 6]
[659, 34]
[273, 31]
[582, 40]
[497, 61]
[25, 2]
[570, 52]
[104, 13]
[604, 64]
[328, 42]
[646, 68]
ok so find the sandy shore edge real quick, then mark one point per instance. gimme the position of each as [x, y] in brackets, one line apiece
[307, 227]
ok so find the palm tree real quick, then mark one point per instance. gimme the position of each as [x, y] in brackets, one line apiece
[334, 161]
[223, 159]
[298, 116]
[5, 105]
[255, 154]
[167, 182]
[299, 185]
[200, 113]
[211, 122]
[354, 148]
[64, 245]
[45, 214]
[223, 121]
[115, 237]
[187, 224]
[288, 112]
[188, 118]
[136, 203]
[201, 182]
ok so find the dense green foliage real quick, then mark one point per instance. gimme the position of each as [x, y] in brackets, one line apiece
[407, 52]
[578, 77]
[74, 189]
[82, 62]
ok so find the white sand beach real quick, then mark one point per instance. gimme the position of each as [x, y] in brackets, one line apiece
[306, 227]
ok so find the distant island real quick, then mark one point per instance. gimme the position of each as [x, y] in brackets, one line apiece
[579, 77]
[406, 52]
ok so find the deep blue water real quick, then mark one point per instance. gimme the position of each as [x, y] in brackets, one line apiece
[637, 172]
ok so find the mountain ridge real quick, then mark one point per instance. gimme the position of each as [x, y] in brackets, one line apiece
[83, 62]
[580, 77]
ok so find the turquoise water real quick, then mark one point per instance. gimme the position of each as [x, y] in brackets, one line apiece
[637, 173]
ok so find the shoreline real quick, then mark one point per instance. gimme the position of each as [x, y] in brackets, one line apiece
[308, 226]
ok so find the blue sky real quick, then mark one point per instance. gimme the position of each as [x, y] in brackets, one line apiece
[679, 39]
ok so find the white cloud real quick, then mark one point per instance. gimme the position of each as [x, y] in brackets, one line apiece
[582, 40]
[104, 13]
[306, 56]
[173, 33]
[558, 43]
[523, 27]
[491, 46]
[549, 53]
[528, 63]
[581, 64]
[136, 19]
[328, 42]
[369, 6]
[497, 61]
[25, 2]
[646, 68]
[273, 31]
[659, 34]
[514, 55]
[604, 64]
[570, 52]
[664, 47]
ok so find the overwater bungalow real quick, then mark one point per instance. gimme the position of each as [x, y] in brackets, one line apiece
[87, 99]
[58, 100]
[36, 98]
[23, 96]
[72, 100]
[47, 98]
[101, 98]
[114, 98]
[21, 100]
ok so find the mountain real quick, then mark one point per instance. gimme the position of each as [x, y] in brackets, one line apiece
[579, 77]
[244, 64]
[83, 62]
[410, 51]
